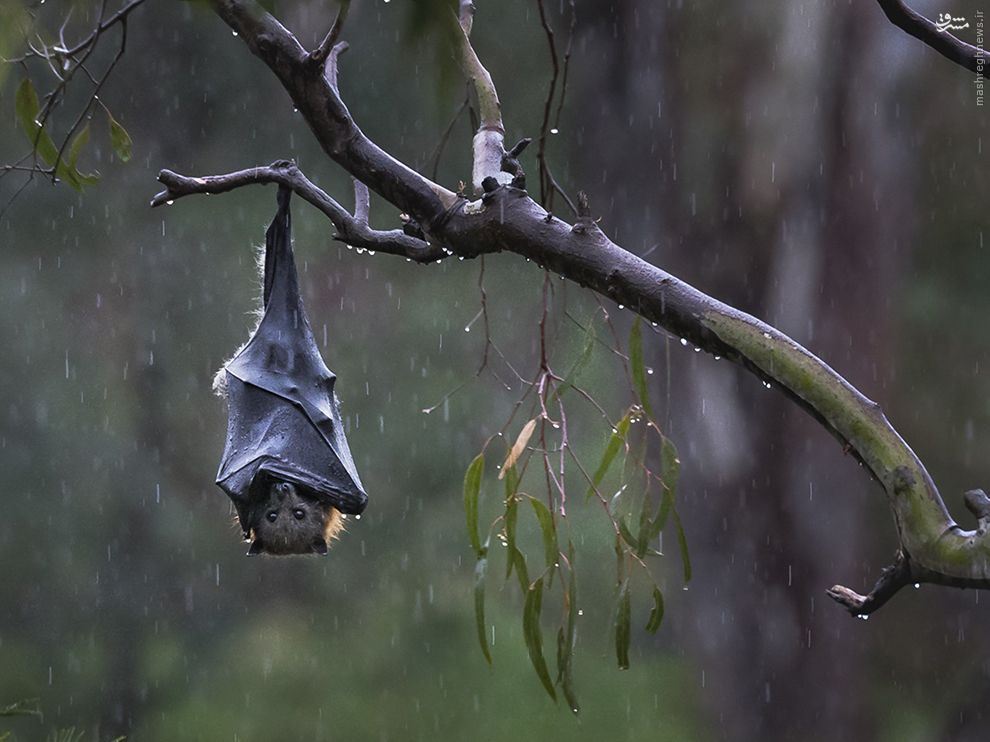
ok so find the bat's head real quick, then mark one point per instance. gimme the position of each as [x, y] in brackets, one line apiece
[287, 519]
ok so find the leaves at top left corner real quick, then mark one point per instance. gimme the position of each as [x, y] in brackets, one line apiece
[27, 109]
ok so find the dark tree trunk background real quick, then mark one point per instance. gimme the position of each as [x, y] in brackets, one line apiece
[781, 204]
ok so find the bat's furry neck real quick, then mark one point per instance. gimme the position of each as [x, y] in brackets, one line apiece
[335, 525]
[220, 377]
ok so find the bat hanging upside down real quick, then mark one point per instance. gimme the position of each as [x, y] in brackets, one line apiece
[286, 465]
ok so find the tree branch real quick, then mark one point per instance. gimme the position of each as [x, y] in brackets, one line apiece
[328, 117]
[892, 579]
[353, 230]
[965, 55]
[933, 548]
[321, 52]
[489, 141]
[465, 15]
[362, 202]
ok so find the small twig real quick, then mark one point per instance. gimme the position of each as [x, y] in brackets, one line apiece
[465, 15]
[95, 94]
[320, 53]
[328, 52]
[16, 194]
[330, 67]
[434, 161]
[101, 27]
[564, 445]
[484, 317]
[26, 169]
[362, 202]
[54, 96]
[556, 188]
[892, 579]
[547, 105]
[61, 30]
[566, 65]
[618, 342]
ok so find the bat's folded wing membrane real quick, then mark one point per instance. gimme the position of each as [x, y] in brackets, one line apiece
[283, 415]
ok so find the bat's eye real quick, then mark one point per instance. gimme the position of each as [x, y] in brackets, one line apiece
[299, 513]
[272, 516]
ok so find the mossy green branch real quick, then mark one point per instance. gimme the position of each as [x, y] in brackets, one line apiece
[856, 420]
[937, 549]
[489, 141]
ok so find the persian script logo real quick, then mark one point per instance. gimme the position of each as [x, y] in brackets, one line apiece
[947, 22]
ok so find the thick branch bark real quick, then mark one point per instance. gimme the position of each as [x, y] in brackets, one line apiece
[933, 548]
[966, 55]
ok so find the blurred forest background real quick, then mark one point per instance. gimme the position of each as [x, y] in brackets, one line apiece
[802, 160]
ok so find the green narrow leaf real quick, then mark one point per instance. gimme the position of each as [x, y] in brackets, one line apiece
[561, 654]
[627, 534]
[511, 516]
[666, 504]
[620, 561]
[623, 614]
[75, 149]
[638, 366]
[480, 569]
[645, 525]
[682, 543]
[669, 474]
[670, 465]
[566, 670]
[548, 529]
[534, 635]
[27, 109]
[656, 614]
[26, 106]
[519, 564]
[472, 487]
[120, 140]
[612, 449]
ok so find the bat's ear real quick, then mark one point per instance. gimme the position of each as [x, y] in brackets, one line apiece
[256, 548]
[320, 546]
